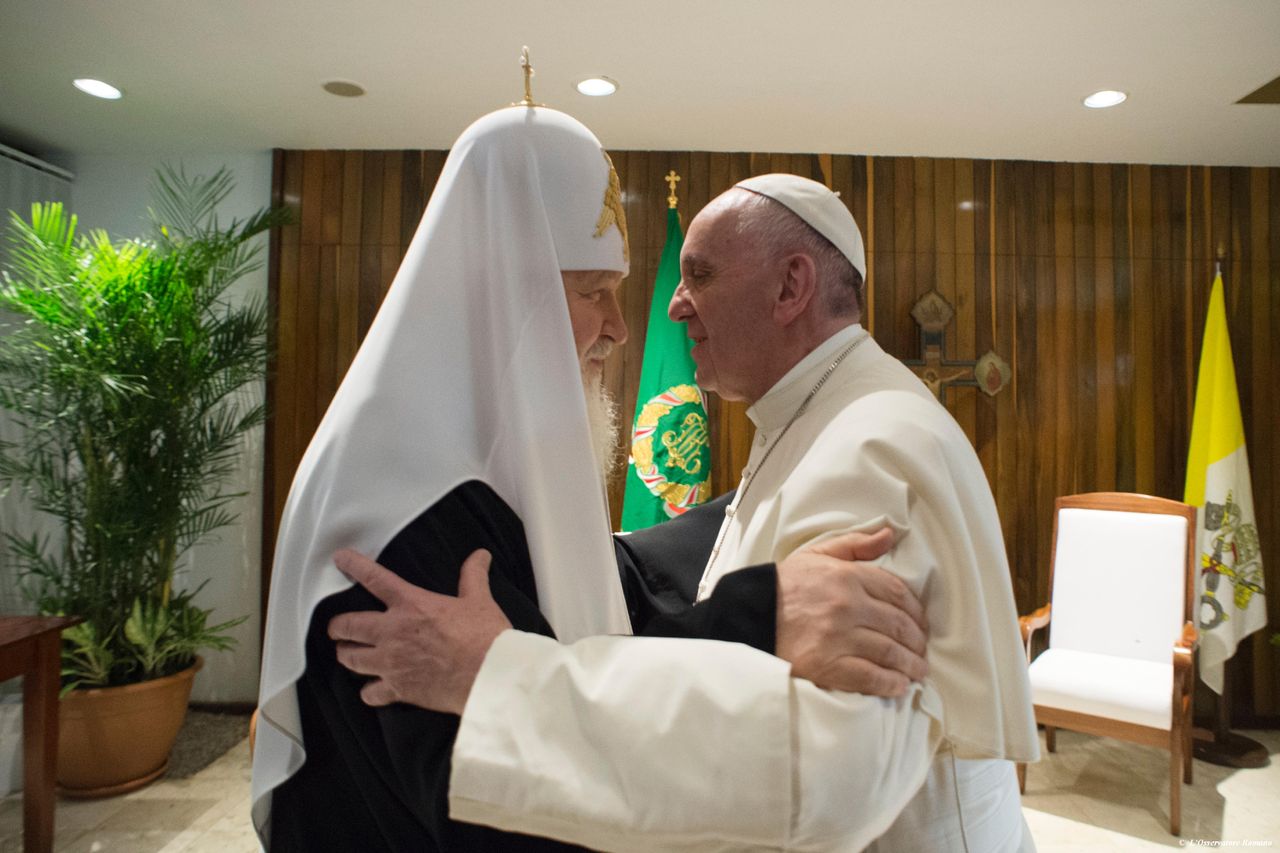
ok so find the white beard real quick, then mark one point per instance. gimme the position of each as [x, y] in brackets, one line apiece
[602, 418]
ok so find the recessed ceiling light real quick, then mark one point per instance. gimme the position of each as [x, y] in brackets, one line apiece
[97, 88]
[344, 88]
[1105, 98]
[598, 86]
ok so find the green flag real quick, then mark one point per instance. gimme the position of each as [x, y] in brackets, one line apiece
[670, 466]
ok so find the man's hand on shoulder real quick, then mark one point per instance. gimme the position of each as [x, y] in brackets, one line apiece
[846, 624]
[424, 649]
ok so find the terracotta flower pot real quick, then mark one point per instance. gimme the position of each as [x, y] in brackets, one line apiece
[115, 739]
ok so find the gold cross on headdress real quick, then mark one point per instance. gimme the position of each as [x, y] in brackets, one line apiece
[528, 77]
[672, 179]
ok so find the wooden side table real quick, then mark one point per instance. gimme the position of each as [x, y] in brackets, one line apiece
[29, 646]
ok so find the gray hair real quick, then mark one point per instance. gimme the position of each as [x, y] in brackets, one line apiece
[780, 231]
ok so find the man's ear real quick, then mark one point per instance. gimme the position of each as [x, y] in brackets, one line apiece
[799, 289]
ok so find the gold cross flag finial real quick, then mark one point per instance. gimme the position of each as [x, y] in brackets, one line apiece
[672, 179]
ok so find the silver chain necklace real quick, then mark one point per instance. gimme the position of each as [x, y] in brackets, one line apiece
[750, 477]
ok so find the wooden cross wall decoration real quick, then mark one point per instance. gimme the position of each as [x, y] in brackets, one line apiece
[933, 313]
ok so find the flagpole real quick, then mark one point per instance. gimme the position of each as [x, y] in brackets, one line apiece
[669, 468]
[1220, 745]
[1223, 746]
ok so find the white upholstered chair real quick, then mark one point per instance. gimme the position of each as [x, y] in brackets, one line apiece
[1121, 641]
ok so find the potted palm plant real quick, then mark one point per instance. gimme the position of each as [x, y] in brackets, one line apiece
[128, 371]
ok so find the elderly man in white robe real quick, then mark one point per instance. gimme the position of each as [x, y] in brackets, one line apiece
[847, 440]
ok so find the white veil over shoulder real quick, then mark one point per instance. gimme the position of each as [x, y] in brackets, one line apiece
[468, 373]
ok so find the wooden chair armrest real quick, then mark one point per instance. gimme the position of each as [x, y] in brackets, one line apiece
[1029, 624]
[1190, 637]
[1184, 651]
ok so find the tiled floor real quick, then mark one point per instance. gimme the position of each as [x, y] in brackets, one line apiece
[1092, 795]
[208, 813]
[1097, 794]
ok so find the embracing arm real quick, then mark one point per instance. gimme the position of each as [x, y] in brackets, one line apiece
[730, 753]
[391, 761]
[756, 753]
[668, 744]
[843, 623]
[732, 716]
[840, 620]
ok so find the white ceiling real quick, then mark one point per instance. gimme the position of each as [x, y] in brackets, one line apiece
[1000, 79]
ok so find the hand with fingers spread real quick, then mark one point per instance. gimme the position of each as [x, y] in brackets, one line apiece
[425, 648]
[846, 624]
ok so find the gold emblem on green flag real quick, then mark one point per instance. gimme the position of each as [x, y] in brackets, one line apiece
[671, 448]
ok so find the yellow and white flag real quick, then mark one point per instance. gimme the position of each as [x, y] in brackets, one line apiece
[1232, 600]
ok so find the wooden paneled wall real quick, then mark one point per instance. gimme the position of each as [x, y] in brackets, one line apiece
[1091, 280]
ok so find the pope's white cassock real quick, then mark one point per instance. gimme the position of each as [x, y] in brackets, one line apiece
[652, 744]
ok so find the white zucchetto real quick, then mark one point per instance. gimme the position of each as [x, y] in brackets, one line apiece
[820, 208]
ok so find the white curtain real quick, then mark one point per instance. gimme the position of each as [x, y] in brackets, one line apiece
[25, 179]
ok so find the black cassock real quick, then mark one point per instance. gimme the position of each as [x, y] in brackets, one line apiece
[378, 778]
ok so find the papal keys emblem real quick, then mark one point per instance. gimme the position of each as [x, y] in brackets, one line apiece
[671, 448]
